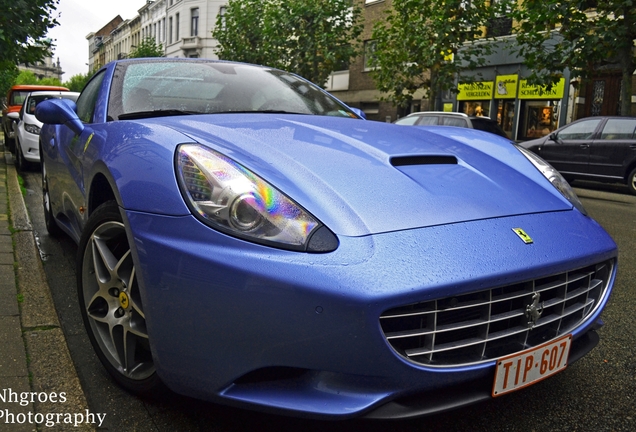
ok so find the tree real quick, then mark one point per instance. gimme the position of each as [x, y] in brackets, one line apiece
[147, 48]
[77, 82]
[23, 28]
[8, 74]
[584, 36]
[426, 44]
[311, 39]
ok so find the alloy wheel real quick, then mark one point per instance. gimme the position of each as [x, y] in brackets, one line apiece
[112, 304]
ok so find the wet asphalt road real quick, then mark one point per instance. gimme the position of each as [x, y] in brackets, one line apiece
[598, 393]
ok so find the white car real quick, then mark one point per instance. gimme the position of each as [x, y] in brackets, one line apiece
[27, 130]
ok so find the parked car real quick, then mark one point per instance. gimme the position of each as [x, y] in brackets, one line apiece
[443, 118]
[246, 238]
[593, 148]
[27, 130]
[13, 104]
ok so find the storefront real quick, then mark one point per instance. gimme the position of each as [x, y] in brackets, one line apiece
[474, 98]
[539, 109]
[522, 110]
[505, 96]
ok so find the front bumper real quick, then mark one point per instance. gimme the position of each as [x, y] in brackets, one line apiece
[299, 333]
[30, 146]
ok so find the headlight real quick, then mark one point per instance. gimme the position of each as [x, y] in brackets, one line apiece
[32, 128]
[232, 199]
[554, 177]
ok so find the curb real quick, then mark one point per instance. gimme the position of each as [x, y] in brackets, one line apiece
[48, 361]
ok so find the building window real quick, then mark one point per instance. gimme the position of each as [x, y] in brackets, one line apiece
[222, 11]
[500, 25]
[176, 29]
[194, 22]
[170, 30]
[369, 54]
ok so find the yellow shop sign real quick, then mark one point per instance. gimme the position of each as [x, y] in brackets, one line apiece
[475, 91]
[506, 86]
[527, 91]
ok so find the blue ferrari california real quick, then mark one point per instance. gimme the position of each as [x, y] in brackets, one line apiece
[246, 238]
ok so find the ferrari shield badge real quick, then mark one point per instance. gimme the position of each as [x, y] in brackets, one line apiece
[522, 235]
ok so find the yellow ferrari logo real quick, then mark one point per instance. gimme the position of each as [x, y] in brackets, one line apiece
[522, 235]
[123, 300]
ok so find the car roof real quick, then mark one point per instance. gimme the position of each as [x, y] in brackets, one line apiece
[449, 113]
[36, 87]
[50, 93]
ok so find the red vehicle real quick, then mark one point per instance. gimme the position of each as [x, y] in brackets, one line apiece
[10, 110]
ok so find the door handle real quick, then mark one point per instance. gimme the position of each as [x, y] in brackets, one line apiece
[584, 146]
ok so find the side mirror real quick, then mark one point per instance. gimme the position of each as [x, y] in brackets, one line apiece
[59, 111]
[554, 137]
[359, 112]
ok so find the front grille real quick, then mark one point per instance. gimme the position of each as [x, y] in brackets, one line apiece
[485, 325]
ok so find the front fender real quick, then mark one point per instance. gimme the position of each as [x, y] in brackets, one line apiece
[137, 163]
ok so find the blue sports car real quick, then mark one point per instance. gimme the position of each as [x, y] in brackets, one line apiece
[246, 238]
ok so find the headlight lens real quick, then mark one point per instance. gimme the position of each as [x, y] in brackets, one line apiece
[32, 128]
[554, 177]
[229, 197]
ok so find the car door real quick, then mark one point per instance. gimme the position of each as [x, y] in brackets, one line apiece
[614, 149]
[568, 149]
[66, 172]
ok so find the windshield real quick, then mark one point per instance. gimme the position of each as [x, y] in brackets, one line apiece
[206, 87]
[18, 97]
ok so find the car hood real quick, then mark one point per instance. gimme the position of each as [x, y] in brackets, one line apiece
[363, 177]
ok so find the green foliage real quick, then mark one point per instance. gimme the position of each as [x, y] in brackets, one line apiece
[26, 77]
[147, 48]
[555, 35]
[23, 28]
[311, 39]
[8, 74]
[418, 46]
[77, 82]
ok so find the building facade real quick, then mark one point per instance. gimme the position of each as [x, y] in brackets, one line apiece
[47, 68]
[182, 27]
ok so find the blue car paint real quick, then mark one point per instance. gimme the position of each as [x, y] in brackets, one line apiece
[219, 307]
[220, 280]
[289, 152]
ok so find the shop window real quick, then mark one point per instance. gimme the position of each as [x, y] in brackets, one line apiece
[475, 108]
[538, 118]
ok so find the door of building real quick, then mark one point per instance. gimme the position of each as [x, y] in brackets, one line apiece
[602, 96]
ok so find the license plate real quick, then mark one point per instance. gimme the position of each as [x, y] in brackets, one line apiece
[530, 366]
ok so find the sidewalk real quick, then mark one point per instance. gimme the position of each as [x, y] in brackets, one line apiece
[39, 387]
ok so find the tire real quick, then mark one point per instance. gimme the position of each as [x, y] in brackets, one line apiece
[52, 227]
[631, 182]
[20, 162]
[110, 302]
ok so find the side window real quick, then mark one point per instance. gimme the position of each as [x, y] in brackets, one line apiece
[580, 131]
[407, 120]
[88, 98]
[618, 129]
[452, 121]
[427, 120]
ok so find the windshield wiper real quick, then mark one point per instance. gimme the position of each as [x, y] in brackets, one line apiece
[155, 113]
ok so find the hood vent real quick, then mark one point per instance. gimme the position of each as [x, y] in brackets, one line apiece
[423, 160]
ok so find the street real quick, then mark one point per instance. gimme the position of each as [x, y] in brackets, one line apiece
[597, 393]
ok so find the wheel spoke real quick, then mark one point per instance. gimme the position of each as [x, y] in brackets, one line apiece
[103, 260]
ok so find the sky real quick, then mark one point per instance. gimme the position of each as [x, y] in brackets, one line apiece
[77, 19]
